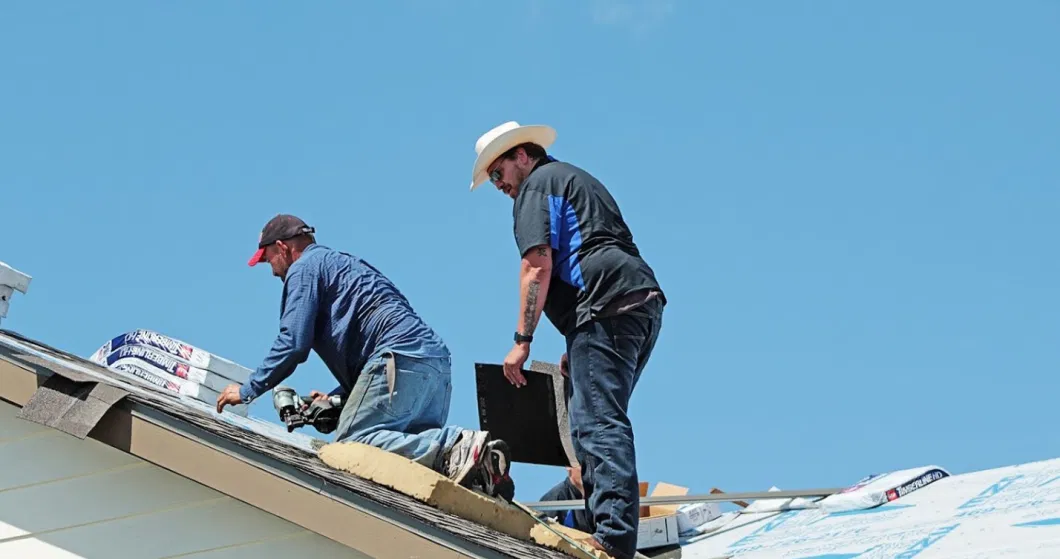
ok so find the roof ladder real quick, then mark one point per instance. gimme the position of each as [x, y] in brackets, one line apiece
[11, 280]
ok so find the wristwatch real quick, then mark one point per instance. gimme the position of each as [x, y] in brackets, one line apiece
[520, 338]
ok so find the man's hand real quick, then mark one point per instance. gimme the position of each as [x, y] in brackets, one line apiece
[317, 395]
[574, 475]
[564, 365]
[229, 397]
[513, 364]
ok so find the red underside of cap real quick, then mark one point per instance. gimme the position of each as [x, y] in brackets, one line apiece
[259, 256]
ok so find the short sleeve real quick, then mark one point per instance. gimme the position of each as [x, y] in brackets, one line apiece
[532, 222]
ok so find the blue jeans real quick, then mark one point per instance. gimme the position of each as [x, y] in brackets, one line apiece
[606, 357]
[412, 423]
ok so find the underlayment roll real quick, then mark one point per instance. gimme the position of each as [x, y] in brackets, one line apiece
[878, 489]
[165, 363]
[173, 365]
[143, 371]
[176, 349]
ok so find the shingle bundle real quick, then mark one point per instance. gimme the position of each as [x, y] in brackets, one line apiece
[171, 364]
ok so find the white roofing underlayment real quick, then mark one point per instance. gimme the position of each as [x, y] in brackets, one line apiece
[1012, 511]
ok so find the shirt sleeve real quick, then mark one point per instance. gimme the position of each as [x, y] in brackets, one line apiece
[533, 223]
[301, 300]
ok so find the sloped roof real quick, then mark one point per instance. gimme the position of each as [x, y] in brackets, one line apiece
[271, 448]
[62, 497]
[1011, 511]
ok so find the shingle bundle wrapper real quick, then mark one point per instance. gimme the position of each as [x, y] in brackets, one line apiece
[171, 364]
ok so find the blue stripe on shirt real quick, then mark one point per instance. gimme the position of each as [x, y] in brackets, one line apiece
[566, 240]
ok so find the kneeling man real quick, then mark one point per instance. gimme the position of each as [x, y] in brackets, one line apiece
[393, 370]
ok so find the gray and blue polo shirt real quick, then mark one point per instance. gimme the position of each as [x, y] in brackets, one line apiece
[594, 257]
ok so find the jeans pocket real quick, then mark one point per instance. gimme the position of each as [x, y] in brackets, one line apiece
[411, 390]
[627, 332]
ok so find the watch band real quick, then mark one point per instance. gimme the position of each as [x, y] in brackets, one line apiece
[520, 338]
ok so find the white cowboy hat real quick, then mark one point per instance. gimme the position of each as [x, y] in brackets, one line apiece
[503, 138]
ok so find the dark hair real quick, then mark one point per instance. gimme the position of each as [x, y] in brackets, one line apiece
[533, 151]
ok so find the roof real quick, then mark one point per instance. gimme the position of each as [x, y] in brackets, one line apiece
[1012, 511]
[265, 452]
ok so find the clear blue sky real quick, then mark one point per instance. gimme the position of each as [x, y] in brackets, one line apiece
[852, 206]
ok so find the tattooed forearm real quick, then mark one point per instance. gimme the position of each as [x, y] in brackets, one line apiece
[529, 324]
[534, 276]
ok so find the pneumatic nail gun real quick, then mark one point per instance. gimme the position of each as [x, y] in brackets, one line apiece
[296, 411]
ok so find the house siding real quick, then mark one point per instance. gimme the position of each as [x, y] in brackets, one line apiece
[63, 497]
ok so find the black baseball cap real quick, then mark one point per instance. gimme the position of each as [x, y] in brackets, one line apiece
[279, 228]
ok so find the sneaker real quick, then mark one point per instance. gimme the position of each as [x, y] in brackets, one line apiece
[478, 463]
[505, 489]
[464, 456]
[496, 464]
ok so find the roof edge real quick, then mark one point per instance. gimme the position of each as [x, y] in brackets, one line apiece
[209, 459]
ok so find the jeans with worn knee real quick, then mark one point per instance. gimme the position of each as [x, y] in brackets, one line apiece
[606, 358]
[411, 421]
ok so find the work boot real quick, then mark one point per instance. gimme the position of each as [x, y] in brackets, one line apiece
[476, 462]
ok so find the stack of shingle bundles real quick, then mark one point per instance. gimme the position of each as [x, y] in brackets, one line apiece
[172, 364]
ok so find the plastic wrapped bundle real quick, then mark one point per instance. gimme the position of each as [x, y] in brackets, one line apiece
[171, 364]
[178, 349]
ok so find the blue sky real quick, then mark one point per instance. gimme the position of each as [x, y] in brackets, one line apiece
[851, 206]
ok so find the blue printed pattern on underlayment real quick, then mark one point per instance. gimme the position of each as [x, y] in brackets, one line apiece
[1039, 523]
[858, 512]
[566, 240]
[927, 541]
[910, 552]
[990, 492]
[768, 527]
[1050, 481]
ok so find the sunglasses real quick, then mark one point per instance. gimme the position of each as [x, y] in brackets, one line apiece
[496, 175]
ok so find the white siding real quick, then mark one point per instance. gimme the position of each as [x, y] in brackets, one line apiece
[65, 498]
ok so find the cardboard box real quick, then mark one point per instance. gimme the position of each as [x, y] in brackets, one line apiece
[658, 523]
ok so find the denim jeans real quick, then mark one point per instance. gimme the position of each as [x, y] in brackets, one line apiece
[412, 423]
[606, 358]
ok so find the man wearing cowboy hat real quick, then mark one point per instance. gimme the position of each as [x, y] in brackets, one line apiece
[392, 368]
[581, 268]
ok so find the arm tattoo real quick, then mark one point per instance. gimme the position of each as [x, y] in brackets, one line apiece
[531, 307]
[542, 251]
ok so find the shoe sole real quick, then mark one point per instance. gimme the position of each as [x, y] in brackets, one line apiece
[478, 443]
